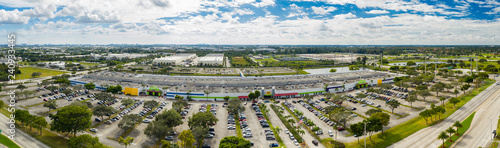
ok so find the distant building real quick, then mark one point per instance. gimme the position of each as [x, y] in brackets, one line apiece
[265, 49]
[211, 60]
[175, 59]
[113, 56]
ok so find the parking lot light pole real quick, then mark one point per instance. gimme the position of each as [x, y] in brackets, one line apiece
[365, 132]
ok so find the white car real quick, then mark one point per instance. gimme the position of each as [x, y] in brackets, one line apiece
[296, 142]
[286, 131]
[93, 130]
[330, 133]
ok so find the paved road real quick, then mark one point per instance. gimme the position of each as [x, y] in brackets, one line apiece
[23, 139]
[483, 124]
[427, 137]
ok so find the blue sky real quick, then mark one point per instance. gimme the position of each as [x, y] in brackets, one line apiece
[276, 22]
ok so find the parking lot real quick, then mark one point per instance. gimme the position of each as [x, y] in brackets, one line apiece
[307, 137]
[284, 136]
[258, 134]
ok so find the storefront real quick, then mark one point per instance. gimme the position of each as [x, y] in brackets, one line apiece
[154, 91]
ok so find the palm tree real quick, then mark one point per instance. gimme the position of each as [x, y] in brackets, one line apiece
[277, 129]
[443, 137]
[457, 125]
[207, 93]
[450, 131]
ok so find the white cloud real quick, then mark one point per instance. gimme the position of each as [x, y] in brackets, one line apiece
[243, 11]
[323, 10]
[377, 12]
[345, 16]
[264, 3]
[493, 11]
[53, 25]
[12, 17]
[296, 11]
[98, 16]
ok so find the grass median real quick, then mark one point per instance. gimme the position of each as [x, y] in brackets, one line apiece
[411, 126]
[465, 126]
[278, 138]
[6, 141]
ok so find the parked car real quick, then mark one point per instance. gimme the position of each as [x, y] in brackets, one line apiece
[315, 142]
[93, 130]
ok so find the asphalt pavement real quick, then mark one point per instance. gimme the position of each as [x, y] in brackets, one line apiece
[427, 137]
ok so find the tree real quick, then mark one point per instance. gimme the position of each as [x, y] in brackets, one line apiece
[358, 129]
[438, 87]
[469, 79]
[102, 110]
[90, 86]
[465, 87]
[353, 67]
[170, 118]
[454, 101]
[151, 104]
[86, 141]
[456, 92]
[52, 88]
[333, 70]
[421, 87]
[234, 142]
[202, 119]
[39, 123]
[410, 63]
[411, 98]
[127, 141]
[457, 125]
[384, 118]
[199, 133]
[252, 96]
[104, 97]
[226, 98]
[424, 93]
[442, 99]
[207, 93]
[21, 87]
[22, 115]
[425, 114]
[372, 111]
[341, 115]
[35, 74]
[443, 136]
[71, 119]
[393, 105]
[178, 105]
[129, 121]
[257, 93]
[114, 89]
[450, 131]
[186, 139]
[235, 106]
[50, 104]
[127, 101]
[157, 130]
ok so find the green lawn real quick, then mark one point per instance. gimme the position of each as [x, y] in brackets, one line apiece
[411, 126]
[270, 59]
[27, 71]
[239, 60]
[465, 126]
[7, 142]
[88, 64]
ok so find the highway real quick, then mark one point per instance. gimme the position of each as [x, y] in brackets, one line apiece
[427, 137]
[483, 124]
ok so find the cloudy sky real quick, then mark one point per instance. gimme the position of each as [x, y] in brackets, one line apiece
[304, 22]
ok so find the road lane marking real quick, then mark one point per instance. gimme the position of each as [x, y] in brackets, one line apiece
[460, 138]
[137, 141]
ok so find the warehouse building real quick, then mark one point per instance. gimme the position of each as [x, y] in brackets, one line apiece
[177, 59]
[211, 60]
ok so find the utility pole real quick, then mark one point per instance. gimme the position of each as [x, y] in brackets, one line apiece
[425, 65]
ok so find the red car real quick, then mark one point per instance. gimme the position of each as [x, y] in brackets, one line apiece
[340, 129]
[44, 99]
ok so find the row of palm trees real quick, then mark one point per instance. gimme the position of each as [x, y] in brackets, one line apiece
[448, 133]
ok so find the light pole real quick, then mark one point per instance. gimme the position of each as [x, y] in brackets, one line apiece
[365, 132]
